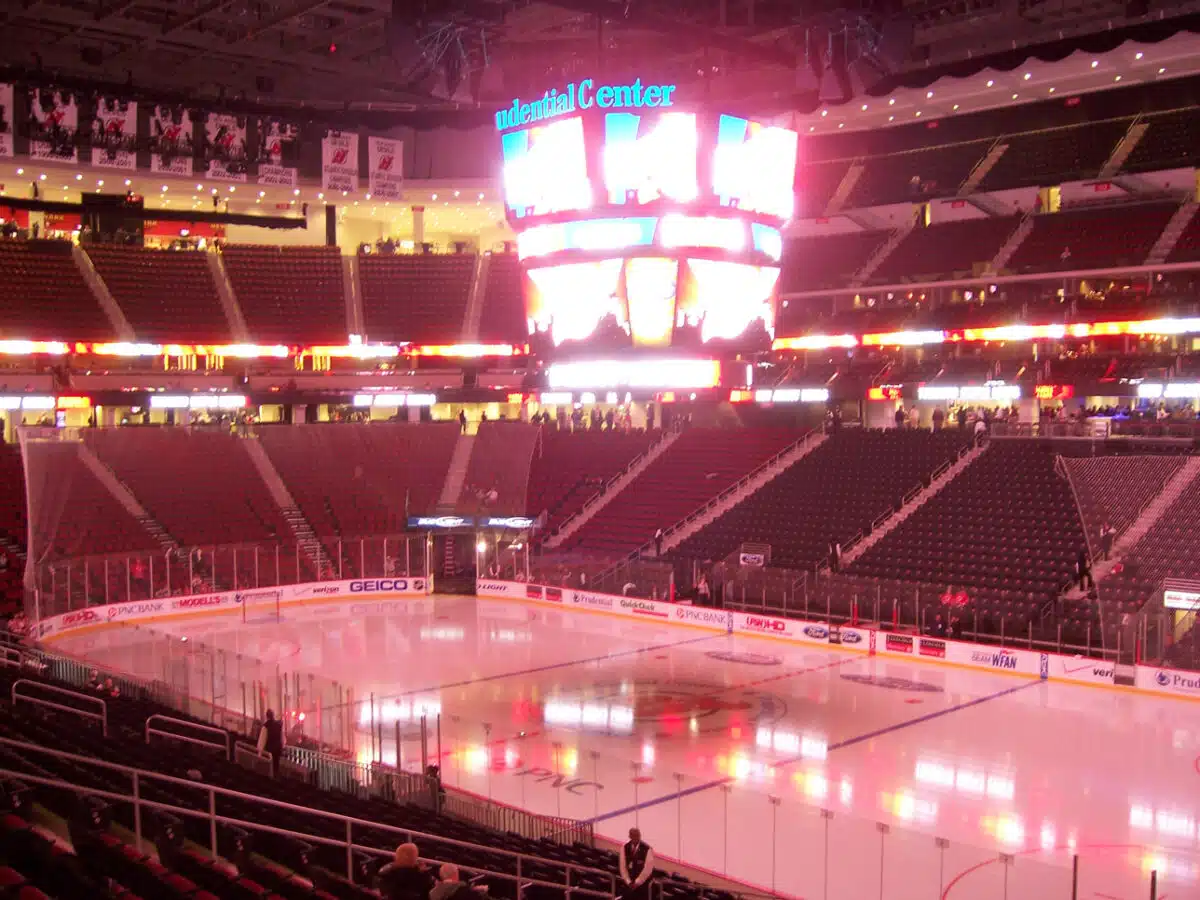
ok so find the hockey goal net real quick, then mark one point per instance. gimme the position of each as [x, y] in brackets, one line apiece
[260, 606]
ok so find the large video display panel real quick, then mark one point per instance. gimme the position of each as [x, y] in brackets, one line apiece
[545, 169]
[572, 302]
[651, 285]
[650, 156]
[754, 167]
[726, 301]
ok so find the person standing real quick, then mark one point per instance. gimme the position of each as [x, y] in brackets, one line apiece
[270, 740]
[1083, 570]
[658, 542]
[1107, 535]
[835, 555]
[637, 867]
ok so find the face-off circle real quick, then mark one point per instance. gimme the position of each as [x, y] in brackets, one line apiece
[749, 659]
[892, 683]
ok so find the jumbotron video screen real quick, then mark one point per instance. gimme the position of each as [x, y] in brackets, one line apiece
[645, 224]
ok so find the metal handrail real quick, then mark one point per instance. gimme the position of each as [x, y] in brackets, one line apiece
[245, 747]
[724, 495]
[521, 881]
[102, 716]
[592, 500]
[225, 735]
[502, 817]
[294, 807]
[11, 657]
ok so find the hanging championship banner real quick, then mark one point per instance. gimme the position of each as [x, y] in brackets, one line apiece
[277, 152]
[339, 161]
[114, 134]
[6, 121]
[226, 148]
[173, 151]
[385, 158]
[54, 122]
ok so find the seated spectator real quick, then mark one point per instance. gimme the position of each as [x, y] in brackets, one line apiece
[405, 878]
[450, 887]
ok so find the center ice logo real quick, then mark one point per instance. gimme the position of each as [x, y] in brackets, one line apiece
[679, 709]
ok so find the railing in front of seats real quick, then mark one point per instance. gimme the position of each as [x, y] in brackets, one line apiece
[225, 738]
[101, 716]
[348, 776]
[502, 817]
[572, 871]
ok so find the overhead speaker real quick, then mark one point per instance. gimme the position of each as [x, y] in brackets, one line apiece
[812, 67]
[491, 83]
[895, 43]
[403, 41]
[865, 73]
[835, 85]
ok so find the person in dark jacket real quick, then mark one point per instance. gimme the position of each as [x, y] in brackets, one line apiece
[637, 868]
[270, 740]
[1083, 570]
[405, 878]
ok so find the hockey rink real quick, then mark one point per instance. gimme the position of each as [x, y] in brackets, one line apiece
[814, 773]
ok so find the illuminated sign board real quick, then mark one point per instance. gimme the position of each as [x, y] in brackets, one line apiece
[509, 522]
[672, 232]
[661, 373]
[886, 392]
[998, 391]
[1054, 391]
[440, 521]
[584, 95]
[588, 235]
[393, 400]
[792, 395]
[1178, 390]
[1185, 600]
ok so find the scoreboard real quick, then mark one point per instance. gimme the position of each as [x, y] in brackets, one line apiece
[642, 222]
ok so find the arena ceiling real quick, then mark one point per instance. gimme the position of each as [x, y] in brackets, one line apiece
[422, 55]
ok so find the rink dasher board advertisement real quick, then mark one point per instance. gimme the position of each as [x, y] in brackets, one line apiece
[899, 645]
[355, 591]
